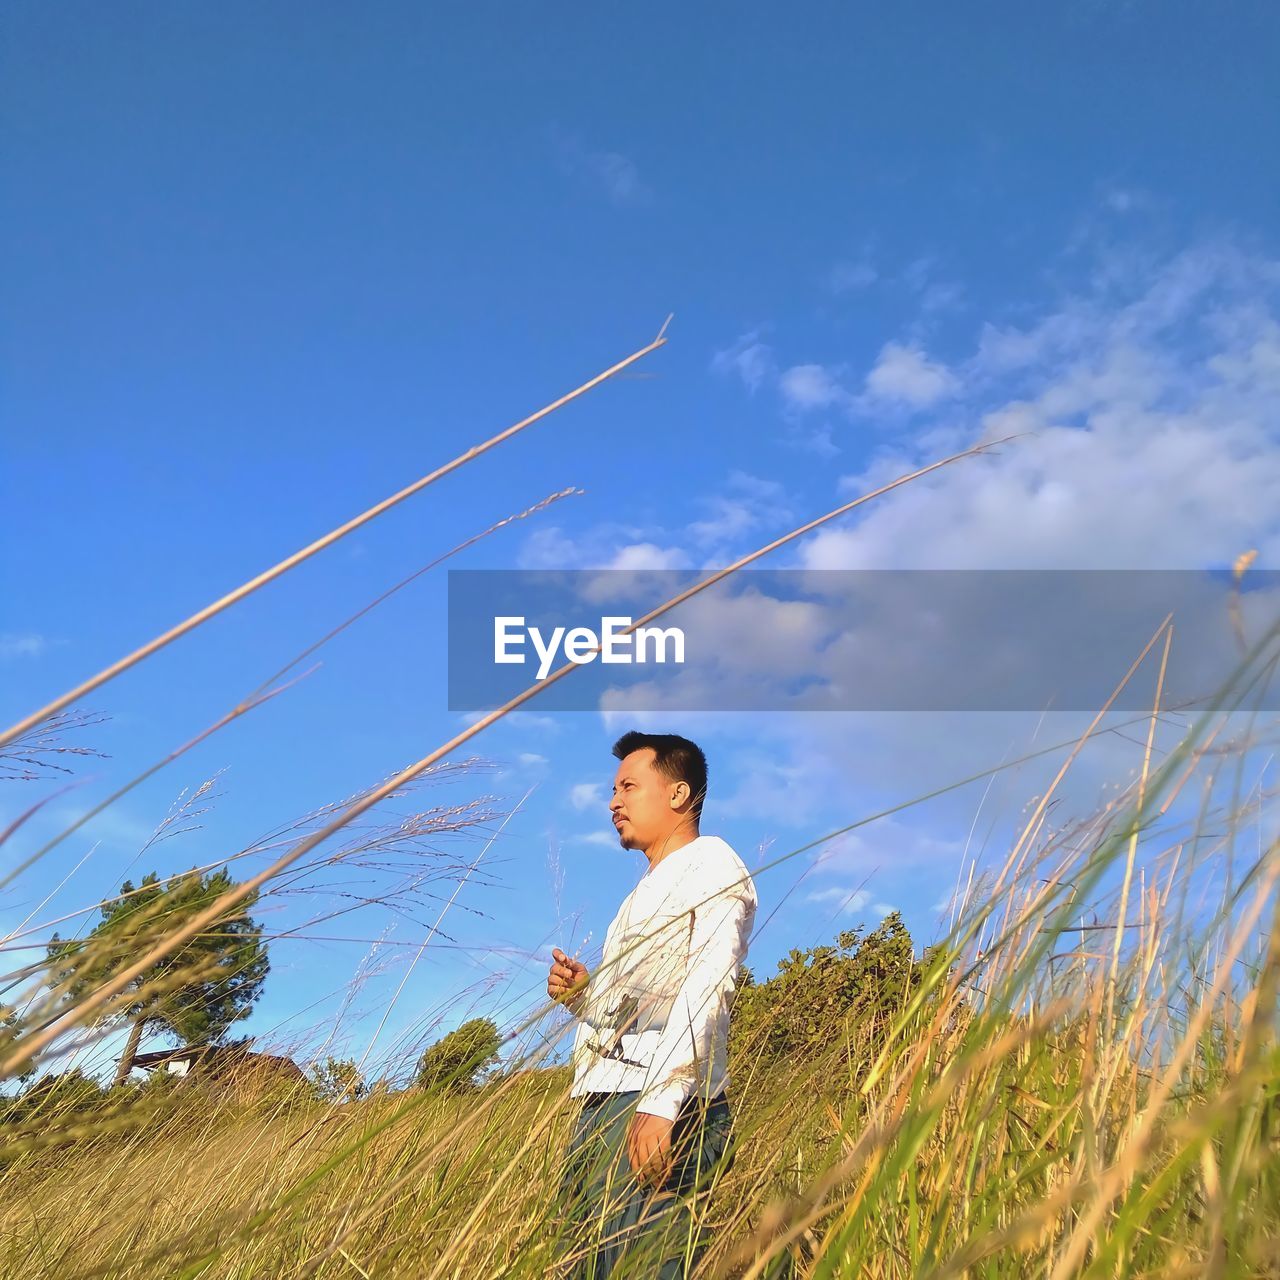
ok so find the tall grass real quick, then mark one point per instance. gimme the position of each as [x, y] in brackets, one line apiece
[1085, 1083]
[1046, 1103]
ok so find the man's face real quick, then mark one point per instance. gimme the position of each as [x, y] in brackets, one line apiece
[641, 804]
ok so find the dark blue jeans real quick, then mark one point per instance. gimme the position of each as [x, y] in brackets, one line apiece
[617, 1227]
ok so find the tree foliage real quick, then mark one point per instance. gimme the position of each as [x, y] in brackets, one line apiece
[820, 995]
[338, 1080]
[197, 992]
[54, 1097]
[455, 1062]
[11, 1031]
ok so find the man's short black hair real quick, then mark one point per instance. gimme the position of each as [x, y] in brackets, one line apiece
[673, 756]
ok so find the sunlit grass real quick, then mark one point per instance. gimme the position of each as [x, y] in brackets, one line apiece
[1082, 1083]
[1038, 1107]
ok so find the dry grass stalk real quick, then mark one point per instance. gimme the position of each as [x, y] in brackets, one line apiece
[313, 548]
[34, 1045]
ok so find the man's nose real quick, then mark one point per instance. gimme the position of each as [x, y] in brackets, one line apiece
[615, 804]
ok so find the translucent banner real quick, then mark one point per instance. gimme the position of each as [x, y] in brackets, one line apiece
[836, 640]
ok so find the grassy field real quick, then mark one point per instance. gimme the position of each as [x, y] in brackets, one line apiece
[1081, 1080]
[1045, 1100]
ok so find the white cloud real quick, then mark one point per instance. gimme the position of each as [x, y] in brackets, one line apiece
[532, 720]
[514, 720]
[752, 362]
[21, 644]
[748, 502]
[728, 519]
[770, 785]
[548, 547]
[905, 375]
[608, 545]
[1150, 396]
[746, 647]
[750, 631]
[745, 503]
[902, 375]
[805, 387]
[847, 901]
[748, 359]
[889, 843]
[1150, 404]
[531, 760]
[647, 555]
[586, 795]
[815, 440]
[602, 839]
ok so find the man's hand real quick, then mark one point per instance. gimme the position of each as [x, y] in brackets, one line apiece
[649, 1149]
[567, 979]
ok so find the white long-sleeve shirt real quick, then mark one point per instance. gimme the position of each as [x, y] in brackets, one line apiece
[655, 1013]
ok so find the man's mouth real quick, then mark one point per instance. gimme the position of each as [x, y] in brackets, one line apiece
[617, 822]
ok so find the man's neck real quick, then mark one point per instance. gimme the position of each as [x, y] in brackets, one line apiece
[669, 844]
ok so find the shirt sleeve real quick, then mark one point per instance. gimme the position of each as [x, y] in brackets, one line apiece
[721, 930]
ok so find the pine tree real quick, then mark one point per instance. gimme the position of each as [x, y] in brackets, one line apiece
[196, 993]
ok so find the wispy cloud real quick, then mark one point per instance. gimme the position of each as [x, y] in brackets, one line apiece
[749, 359]
[849, 277]
[516, 720]
[747, 503]
[889, 844]
[1148, 432]
[725, 519]
[21, 644]
[847, 901]
[116, 827]
[607, 172]
[586, 795]
[902, 377]
[905, 375]
[805, 387]
[1122, 199]
[607, 545]
[934, 292]
[641, 556]
[601, 839]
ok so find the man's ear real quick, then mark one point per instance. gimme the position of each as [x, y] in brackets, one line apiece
[679, 794]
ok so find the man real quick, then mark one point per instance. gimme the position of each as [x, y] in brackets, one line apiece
[650, 1047]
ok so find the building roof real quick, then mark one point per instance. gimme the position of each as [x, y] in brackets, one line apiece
[214, 1059]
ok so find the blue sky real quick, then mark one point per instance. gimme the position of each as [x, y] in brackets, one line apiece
[263, 268]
